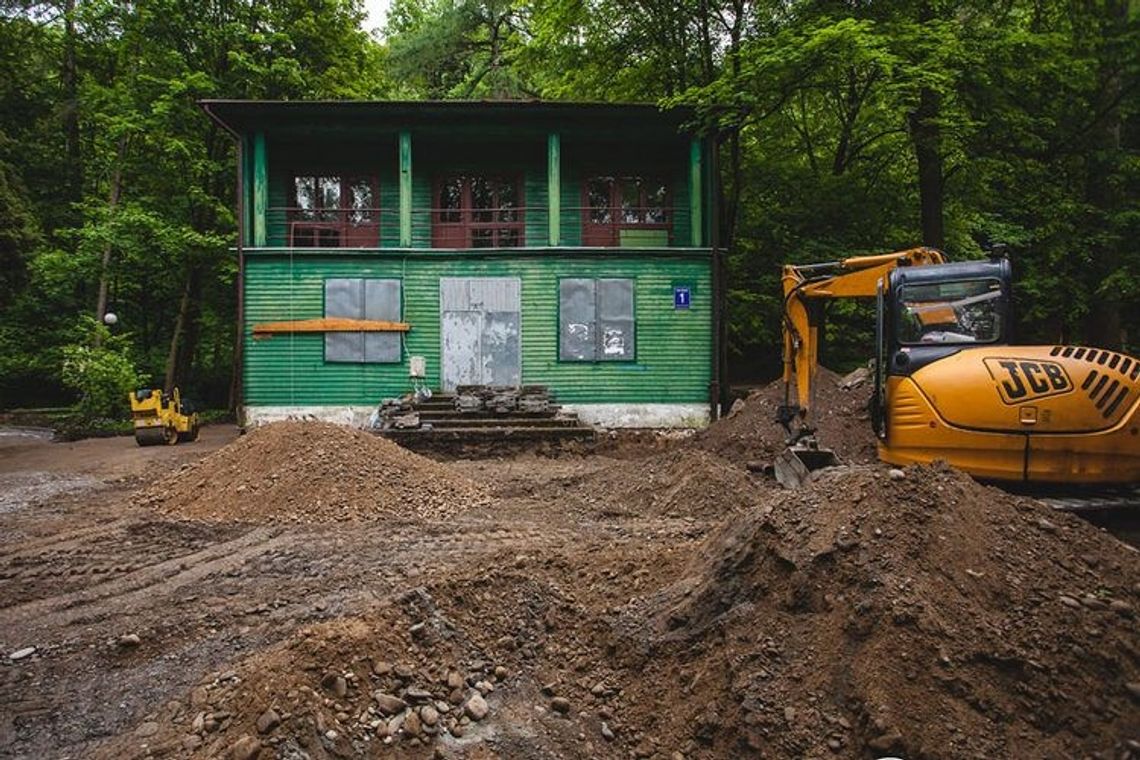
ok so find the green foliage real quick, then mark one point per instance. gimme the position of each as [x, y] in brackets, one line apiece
[101, 371]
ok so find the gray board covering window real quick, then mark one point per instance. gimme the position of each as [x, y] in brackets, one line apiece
[596, 320]
[363, 299]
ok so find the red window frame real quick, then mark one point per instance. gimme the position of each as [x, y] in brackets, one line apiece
[327, 227]
[468, 226]
[607, 233]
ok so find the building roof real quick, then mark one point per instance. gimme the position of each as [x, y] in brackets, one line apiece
[243, 116]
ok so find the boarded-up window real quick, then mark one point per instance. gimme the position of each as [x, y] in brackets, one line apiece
[363, 299]
[596, 321]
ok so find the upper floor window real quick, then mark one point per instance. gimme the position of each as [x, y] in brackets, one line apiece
[334, 211]
[626, 210]
[478, 211]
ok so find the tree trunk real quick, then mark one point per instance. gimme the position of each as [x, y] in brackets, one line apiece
[1104, 325]
[176, 357]
[927, 140]
[70, 80]
[112, 205]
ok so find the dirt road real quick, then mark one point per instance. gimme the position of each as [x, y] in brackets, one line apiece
[593, 606]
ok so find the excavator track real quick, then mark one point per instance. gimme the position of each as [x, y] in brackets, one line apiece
[1095, 502]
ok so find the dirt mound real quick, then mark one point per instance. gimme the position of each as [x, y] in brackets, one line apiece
[676, 483]
[925, 616]
[752, 432]
[313, 472]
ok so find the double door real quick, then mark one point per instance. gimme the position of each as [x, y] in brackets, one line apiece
[479, 328]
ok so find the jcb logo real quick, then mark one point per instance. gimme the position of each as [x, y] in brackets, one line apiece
[1020, 380]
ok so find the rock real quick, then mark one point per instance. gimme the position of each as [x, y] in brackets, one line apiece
[20, 654]
[885, 742]
[855, 378]
[150, 728]
[476, 708]
[268, 721]
[199, 696]
[736, 408]
[199, 724]
[1069, 601]
[191, 742]
[129, 641]
[429, 715]
[896, 474]
[607, 732]
[560, 705]
[418, 631]
[381, 667]
[484, 687]
[417, 695]
[1046, 526]
[1133, 688]
[335, 683]
[412, 724]
[389, 704]
[404, 671]
[1121, 607]
[501, 673]
[454, 679]
[245, 748]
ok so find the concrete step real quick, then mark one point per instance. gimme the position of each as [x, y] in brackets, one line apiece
[504, 421]
[498, 433]
[428, 415]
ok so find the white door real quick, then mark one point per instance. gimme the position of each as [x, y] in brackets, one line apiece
[479, 325]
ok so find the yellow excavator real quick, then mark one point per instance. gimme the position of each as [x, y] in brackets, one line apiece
[947, 384]
[161, 417]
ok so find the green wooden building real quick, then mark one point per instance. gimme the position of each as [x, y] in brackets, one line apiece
[561, 244]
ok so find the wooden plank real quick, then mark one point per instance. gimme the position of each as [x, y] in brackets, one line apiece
[327, 324]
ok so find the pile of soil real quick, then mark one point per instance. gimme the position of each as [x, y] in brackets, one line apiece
[682, 482]
[921, 616]
[308, 472]
[752, 433]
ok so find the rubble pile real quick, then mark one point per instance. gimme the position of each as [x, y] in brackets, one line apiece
[906, 613]
[751, 435]
[396, 414]
[311, 472]
[678, 482]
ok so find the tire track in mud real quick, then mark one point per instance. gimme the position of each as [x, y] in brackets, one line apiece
[144, 585]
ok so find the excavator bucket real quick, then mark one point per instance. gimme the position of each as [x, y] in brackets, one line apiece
[794, 465]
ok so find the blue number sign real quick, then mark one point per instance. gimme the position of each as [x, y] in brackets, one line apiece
[681, 298]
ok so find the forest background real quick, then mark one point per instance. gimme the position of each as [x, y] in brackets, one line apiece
[845, 127]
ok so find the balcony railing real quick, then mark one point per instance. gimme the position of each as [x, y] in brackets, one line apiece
[647, 227]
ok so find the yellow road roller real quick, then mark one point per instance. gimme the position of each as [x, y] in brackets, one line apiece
[161, 417]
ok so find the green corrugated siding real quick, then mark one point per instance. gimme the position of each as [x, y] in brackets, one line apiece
[673, 346]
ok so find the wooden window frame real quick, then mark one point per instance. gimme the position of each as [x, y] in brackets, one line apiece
[608, 234]
[460, 234]
[348, 234]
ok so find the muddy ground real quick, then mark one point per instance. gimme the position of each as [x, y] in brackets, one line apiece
[638, 602]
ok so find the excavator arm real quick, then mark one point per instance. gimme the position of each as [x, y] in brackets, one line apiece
[806, 289]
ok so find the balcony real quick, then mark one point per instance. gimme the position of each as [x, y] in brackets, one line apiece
[654, 227]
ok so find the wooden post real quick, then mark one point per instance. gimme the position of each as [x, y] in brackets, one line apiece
[554, 187]
[405, 189]
[695, 194]
[260, 190]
